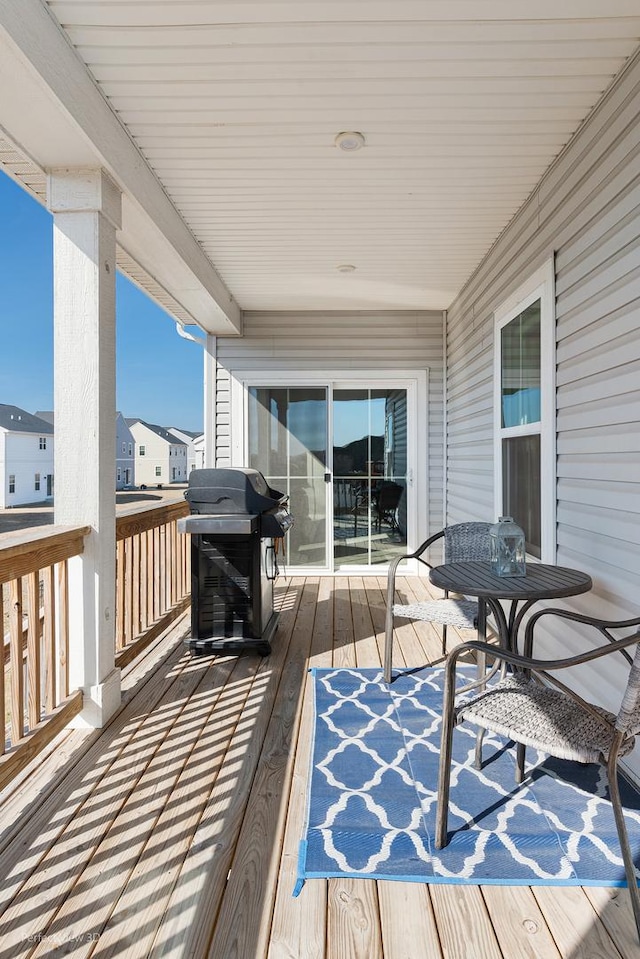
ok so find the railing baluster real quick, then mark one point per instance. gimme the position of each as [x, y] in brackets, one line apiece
[33, 649]
[136, 577]
[120, 587]
[63, 636]
[49, 640]
[17, 666]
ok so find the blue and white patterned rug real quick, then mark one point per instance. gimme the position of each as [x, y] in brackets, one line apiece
[373, 786]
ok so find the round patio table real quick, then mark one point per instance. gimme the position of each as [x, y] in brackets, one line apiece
[540, 582]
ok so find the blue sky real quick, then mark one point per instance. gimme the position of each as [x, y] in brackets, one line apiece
[159, 374]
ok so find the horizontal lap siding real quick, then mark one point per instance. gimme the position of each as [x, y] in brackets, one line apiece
[395, 342]
[587, 212]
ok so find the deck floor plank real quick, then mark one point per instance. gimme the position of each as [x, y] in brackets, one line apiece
[299, 933]
[36, 847]
[190, 919]
[92, 901]
[518, 923]
[139, 910]
[584, 937]
[244, 921]
[175, 830]
[102, 801]
[409, 929]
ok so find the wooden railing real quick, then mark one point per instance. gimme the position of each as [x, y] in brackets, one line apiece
[35, 699]
[153, 579]
[152, 589]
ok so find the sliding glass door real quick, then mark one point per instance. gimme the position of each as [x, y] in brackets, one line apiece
[369, 476]
[341, 452]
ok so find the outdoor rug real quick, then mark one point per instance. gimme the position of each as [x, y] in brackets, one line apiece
[373, 786]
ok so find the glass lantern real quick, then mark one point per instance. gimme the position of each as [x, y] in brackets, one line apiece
[507, 548]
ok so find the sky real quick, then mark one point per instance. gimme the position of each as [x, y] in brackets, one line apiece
[159, 375]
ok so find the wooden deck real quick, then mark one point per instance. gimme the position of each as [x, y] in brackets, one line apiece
[174, 831]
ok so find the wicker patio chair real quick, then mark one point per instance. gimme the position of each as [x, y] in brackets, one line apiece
[534, 708]
[462, 542]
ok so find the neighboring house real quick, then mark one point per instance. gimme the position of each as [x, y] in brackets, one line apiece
[160, 456]
[125, 449]
[26, 457]
[125, 454]
[198, 450]
[188, 437]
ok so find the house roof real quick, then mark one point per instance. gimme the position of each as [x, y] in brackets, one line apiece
[160, 431]
[219, 121]
[17, 420]
[47, 415]
[177, 430]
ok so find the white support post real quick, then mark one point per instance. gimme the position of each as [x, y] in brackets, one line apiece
[86, 205]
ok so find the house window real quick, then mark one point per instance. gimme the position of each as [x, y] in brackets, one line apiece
[12, 482]
[43, 442]
[524, 412]
[118, 475]
[124, 447]
[142, 450]
[130, 450]
[158, 471]
[36, 483]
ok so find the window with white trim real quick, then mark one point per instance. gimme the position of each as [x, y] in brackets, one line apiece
[36, 483]
[12, 482]
[158, 471]
[142, 450]
[42, 443]
[524, 404]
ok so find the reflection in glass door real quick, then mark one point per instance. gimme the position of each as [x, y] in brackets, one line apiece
[369, 476]
[288, 443]
[348, 496]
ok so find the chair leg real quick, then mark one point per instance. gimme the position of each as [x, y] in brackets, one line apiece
[444, 640]
[521, 750]
[388, 644]
[481, 660]
[629, 865]
[444, 771]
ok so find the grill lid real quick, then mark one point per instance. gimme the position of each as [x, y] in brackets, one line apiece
[226, 490]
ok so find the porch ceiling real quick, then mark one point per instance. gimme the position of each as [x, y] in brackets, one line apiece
[235, 104]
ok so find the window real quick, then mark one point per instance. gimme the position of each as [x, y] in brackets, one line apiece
[524, 412]
[12, 482]
[118, 475]
[124, 447]
[43, 442]
[142, 450]
[158, 471]
[37, 482]
[130, 450]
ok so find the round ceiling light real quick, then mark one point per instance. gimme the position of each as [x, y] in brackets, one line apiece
[349, 142]
[345, 268]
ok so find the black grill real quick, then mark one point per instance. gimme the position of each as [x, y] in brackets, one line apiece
[235, 517]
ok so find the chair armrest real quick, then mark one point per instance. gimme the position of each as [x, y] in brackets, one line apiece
[603, 626]
[393, 568]
[543, 665]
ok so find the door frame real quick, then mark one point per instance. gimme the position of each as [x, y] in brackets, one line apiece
[416, 383]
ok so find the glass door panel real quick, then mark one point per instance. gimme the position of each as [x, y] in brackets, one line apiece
[369, 476]
[287, 432]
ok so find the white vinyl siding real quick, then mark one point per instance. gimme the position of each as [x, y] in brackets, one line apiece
[391, 342]
[586, 211]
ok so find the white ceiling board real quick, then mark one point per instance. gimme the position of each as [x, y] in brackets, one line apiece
[464, 105]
